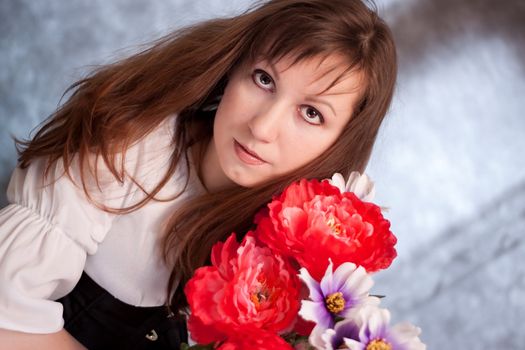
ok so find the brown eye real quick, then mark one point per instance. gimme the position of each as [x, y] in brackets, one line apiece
[311, 115]
[263, 79]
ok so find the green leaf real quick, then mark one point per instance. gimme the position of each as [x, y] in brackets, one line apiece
[378, 296]
[294, 338]
[338, 319]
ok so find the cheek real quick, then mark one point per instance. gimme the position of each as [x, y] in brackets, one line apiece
[301, 149]
[233, 107]
[225, 115]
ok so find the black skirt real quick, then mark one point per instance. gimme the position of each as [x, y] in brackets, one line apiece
[100, 321]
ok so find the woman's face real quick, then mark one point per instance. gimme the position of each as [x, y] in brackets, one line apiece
[274, 118]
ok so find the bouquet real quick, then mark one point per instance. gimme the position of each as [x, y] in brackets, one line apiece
[301, 278]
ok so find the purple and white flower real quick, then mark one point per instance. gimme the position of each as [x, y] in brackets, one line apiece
[337, 295]
[368, 329]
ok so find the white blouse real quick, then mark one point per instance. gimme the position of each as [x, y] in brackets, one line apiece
[50, 234]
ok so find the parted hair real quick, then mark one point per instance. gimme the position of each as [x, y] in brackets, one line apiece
[186, 71]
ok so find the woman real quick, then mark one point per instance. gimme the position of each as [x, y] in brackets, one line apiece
[155, 158]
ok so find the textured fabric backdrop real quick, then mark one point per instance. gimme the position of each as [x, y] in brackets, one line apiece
[449, 160]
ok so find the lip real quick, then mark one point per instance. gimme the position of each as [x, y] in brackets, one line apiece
[247, 155]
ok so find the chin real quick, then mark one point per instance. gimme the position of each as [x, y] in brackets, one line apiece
[243, 180]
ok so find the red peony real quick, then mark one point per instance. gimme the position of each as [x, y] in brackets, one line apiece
[248, 288]
[313, 221]
[259, 341]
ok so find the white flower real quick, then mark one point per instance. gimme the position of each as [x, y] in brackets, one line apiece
[368, 328]
[361, 185]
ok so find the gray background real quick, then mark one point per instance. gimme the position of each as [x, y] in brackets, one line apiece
[449, 161]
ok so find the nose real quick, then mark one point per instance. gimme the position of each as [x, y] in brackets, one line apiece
[268, 121]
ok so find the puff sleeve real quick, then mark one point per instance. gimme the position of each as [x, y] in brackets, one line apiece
[47, 231]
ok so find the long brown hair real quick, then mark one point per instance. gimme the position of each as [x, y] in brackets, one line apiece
[185, 70]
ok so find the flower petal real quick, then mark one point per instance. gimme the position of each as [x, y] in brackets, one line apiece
[342, 274]
[354, 344]
[407, 336]
[358, 283]
[312, 284]
[378, 322]
[316, 312]
[338, 181]
[326, 284]
[320, 338]
[352, 309]
[361, 185]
